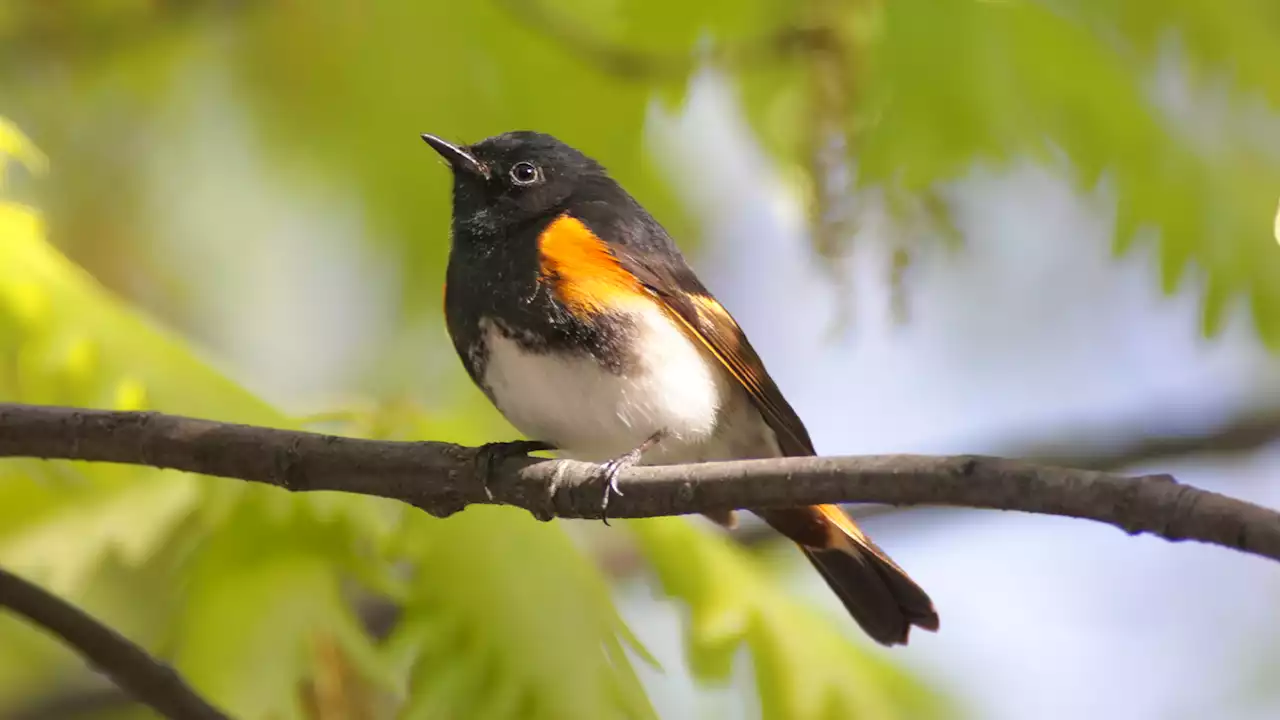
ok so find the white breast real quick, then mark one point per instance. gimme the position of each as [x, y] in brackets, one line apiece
[594, 414]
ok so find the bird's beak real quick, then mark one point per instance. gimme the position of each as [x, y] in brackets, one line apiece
[460, 160]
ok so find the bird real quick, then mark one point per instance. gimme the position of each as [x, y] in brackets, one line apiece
[577, 316]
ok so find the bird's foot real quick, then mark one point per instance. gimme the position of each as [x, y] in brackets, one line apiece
[610, 469]
[490, 454]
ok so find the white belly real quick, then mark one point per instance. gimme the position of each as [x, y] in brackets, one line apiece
[591, 413]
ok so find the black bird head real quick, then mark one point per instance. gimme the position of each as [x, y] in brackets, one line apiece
[515, 178]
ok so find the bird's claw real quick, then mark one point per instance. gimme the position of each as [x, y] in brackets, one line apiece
[611, 470]
[614, 467]
[489, 455]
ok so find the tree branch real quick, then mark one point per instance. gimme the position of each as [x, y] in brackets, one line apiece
[443, 478]
[128, 665]
[1248, 432]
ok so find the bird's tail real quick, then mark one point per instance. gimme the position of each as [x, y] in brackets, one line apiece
[877, 593]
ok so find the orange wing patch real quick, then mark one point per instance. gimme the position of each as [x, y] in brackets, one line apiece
[584, 273]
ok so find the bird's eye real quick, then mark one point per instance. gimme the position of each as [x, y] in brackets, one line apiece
[524, 173]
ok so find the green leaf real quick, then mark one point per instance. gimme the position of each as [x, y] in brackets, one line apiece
[507, 620]
[260, 600]
[1229, 38]
[58, 535]
[804, 670]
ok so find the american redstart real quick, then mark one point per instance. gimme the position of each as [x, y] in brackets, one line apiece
[575, 313]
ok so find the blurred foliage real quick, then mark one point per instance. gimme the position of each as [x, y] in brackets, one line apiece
[907, 95]
[63, 340]
[803, 669]
[902, 97]
[256, 593]
[948, 83]
[479, 649]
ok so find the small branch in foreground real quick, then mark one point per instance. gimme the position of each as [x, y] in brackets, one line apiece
[443, 478]
[128, 665]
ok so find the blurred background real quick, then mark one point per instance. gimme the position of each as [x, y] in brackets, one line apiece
[1034, 228]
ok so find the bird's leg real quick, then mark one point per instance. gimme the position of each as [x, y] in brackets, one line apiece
[612, 468]
[490, 454]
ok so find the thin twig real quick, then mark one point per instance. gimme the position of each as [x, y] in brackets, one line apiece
[148, 680]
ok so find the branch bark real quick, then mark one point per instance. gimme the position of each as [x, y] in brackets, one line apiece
[443, 478]
[129, 666]
[1248, 432]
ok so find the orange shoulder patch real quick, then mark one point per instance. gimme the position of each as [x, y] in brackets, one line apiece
[584, 273]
